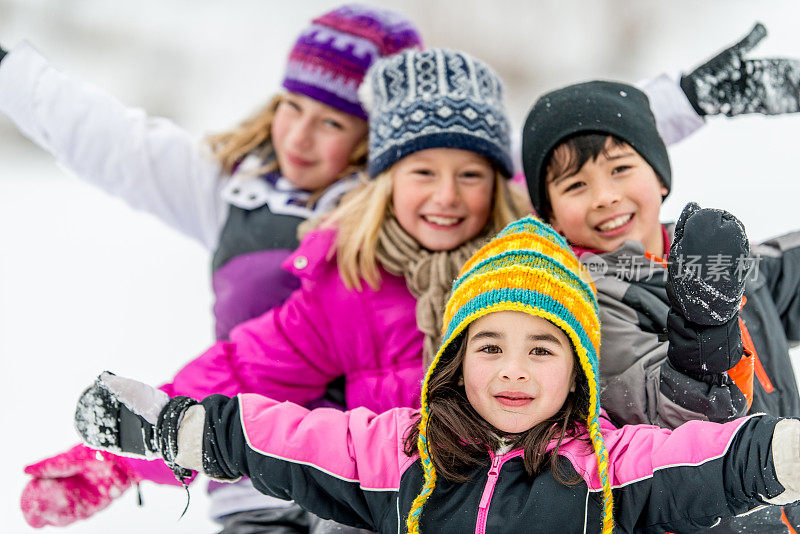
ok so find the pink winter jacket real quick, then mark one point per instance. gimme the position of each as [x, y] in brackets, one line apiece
[681, 480]
[321, 332]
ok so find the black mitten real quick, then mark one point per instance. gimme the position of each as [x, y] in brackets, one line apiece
[2, 53]
[730, 84]
[703, 352]
[130, 418]
[105, 423]
[708, 265]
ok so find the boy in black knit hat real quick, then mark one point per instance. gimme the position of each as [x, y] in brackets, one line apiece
[670, 297]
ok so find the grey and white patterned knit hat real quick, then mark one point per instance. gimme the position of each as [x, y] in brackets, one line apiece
[434, 98]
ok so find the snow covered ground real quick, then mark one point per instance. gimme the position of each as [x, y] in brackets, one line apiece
[87, 284]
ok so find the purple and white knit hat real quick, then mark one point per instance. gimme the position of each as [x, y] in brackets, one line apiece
[331, 56]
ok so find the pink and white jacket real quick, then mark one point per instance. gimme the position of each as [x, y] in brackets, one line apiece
[323, 331]
[350, 466]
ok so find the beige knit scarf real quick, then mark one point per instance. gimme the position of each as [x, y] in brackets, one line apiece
[429, 276]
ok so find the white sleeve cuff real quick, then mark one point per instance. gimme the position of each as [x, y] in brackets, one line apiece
[786, 458]
[676, 119]
[190, 438]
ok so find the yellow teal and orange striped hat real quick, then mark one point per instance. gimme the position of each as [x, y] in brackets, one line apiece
[530, 268]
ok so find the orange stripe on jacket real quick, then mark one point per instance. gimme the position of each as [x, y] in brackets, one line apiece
[742, 373]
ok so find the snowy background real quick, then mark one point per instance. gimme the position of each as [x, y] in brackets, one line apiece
[87, 284]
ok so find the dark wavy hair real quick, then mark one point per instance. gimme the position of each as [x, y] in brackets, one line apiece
[459, 438]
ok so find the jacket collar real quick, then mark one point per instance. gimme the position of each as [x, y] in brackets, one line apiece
[667, 232]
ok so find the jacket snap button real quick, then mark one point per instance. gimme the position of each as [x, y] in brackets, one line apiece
[300, 262]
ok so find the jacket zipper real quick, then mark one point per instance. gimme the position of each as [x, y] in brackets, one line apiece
[488, 490]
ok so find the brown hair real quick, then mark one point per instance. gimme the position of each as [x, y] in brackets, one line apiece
[571, 153]
[458, 437]
[254, 136]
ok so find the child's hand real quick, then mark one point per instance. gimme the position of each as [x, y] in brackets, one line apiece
[104, 421]
[128, 417]
[706, 275]
[73, 485]
[730, 84]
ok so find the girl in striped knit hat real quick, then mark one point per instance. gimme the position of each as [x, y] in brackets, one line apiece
[510, 436]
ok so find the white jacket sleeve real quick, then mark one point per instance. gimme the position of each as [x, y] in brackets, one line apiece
[676, 119]
[150, 163]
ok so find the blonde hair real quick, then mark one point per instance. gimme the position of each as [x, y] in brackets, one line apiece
[360, 214]
[254, 136]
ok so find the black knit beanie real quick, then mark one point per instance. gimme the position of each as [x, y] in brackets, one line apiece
[602, 107]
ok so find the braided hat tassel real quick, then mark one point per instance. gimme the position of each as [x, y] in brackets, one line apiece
[593, 424]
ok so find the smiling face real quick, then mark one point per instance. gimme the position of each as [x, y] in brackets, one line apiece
[313, 142]
[518, 369]
[609, 200]
[442, 196]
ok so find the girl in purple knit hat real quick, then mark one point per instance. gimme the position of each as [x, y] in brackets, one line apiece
[241, 193]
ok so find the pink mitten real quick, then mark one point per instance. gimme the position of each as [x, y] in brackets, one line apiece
[73, 485]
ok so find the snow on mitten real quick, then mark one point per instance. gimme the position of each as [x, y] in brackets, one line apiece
[106, 423]
[730, 84]
[73, 485]
[706, 275]
[130, 418]
[708, 262]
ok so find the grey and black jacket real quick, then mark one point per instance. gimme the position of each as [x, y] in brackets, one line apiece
[641, 385]
[640, 382]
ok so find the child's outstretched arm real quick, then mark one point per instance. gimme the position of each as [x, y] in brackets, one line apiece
[150, 163]
[691, 477]
[726, 84]
[732, 85]
[340, 465]
[284, 354]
